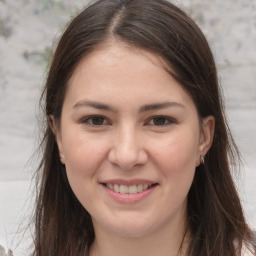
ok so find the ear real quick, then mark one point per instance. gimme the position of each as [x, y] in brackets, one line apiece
[206, 136]
[56, 131]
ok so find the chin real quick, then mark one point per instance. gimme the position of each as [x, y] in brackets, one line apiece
[128, 227]
[132, 232]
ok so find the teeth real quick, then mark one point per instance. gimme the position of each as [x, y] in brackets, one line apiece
[145, 186]
[132, 189]
[140, 188]
[116, 188]
[110, 186]
[123, 189]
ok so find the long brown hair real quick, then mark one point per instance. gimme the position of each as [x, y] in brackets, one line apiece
[214, 214]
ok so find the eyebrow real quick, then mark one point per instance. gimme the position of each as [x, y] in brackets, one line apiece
[93, 104]
[162, 105]
[145, 108]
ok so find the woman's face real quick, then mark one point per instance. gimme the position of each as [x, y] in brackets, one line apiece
[130, 139]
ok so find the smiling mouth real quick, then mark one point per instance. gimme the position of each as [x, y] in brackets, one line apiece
[124, 189]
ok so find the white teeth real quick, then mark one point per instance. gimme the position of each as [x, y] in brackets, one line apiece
[123, 189]
[140, 188]
[145, 186]
[116, 188]
[132, 189]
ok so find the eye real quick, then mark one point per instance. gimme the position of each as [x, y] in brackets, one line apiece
[95, 121]
[160, 121]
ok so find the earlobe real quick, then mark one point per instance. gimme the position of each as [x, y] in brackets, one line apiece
[52, 124]
[56, 131]
[206, 136]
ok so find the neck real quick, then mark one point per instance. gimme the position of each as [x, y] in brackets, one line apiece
[162, 242]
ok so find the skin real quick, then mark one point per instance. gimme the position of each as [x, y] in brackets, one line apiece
[118, 83]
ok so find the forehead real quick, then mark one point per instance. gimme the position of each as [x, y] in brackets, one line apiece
[113, 53]
[118, 69]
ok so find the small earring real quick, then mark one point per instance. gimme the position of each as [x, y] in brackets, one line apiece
[61, 160]
[202, 159]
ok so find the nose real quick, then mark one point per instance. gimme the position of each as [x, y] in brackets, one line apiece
[127, 149]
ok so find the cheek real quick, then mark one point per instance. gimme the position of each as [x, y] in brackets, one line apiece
[179, 151]
[176, 160]
[83, 155]
[83, 160]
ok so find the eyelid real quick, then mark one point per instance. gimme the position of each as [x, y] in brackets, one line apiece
[88, 121]
[85, 120]
[169, 119]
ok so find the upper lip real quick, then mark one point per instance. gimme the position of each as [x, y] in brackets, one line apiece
[128, 182]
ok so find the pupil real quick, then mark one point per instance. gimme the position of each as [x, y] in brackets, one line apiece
[97, 120]
[159, 121]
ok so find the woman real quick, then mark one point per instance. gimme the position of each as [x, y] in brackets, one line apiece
[137, 151]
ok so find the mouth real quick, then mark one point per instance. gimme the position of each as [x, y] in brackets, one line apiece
[131, 189]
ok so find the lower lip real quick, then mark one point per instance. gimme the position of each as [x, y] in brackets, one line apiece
[129, 198]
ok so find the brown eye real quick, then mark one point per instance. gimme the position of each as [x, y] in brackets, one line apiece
[95, 120]
[160, 121]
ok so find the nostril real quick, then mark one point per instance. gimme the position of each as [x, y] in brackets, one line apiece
[127, 158]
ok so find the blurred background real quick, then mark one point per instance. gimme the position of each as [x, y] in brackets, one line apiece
[29, 29]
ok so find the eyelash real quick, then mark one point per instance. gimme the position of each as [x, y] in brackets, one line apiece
[89, 121]
[167, 121]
